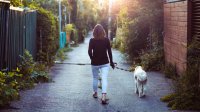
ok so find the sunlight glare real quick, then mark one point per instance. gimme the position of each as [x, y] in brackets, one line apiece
[111, 2]
[100, 1]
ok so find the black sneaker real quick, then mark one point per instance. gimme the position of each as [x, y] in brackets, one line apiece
[95, 95]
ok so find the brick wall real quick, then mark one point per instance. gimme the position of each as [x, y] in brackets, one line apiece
[175, 28]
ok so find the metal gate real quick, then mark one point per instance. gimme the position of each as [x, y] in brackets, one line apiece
[17, 33]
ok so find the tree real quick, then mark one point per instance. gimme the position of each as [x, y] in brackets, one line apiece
[16, 3]
[139, 27]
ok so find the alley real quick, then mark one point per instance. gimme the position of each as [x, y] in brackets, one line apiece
[71, 89]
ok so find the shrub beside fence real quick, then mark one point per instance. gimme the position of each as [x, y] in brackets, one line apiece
[17, 33]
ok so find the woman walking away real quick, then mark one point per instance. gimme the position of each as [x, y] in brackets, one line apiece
[99, 46]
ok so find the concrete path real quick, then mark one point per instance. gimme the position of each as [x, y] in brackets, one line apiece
[72, 89]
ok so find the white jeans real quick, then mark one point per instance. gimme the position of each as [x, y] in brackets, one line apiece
[104, 69]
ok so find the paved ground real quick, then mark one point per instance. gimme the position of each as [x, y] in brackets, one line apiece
[72, 89]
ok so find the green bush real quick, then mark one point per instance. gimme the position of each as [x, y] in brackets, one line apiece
[187, 86]
[168, 97]
[152, 60]
[26, 67]
[16, 3]
[12, 82]
[40, 76]
[123, 31]
[61, 54]
[140, 26]
[24, 77]
[9, 87]
[67, 49]
[69, 28]
[187, 92]
[119, 42]
[32, 71]
[115, 43]
[27, 63]
[40, 73]
[47, 36]
[170, 71]
[76, 37]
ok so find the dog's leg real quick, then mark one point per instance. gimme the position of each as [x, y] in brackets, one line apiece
[144, 89]
[140, 89]
[136, 85]
[136, 88]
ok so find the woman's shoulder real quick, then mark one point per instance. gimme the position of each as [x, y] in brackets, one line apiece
[91, 39]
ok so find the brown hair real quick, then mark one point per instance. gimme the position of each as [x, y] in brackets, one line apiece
[99, 32]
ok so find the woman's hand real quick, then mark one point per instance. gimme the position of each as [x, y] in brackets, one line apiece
[112, 65]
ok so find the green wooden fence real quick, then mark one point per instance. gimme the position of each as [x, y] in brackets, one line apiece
[17, 33]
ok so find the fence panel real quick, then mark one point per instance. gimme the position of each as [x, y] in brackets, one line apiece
[17, 33]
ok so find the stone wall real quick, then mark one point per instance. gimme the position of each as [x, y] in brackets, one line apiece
[176, 34]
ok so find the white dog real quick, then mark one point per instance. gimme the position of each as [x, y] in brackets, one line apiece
[140, 77]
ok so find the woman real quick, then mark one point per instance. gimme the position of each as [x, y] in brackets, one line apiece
[99, 46]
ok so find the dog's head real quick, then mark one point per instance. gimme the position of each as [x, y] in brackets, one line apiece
[140, 73]
[138, 68]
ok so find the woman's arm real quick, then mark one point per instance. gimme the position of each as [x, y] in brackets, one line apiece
[90, 49]
[110, 55]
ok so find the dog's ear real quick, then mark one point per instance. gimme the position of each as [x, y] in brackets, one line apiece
[137, 67]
